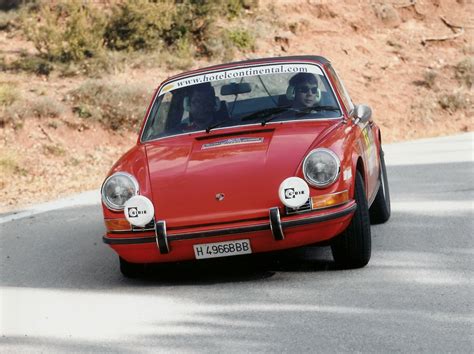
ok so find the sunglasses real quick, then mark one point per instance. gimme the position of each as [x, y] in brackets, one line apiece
[306, 89]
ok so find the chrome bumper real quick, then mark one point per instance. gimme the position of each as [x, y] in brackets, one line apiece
[275, 224]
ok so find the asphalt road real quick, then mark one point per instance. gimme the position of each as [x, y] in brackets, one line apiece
[61, 289]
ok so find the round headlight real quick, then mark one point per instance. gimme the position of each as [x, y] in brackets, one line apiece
[321, 167]
[117, 189]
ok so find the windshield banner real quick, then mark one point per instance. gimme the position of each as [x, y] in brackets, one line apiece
[242, 72]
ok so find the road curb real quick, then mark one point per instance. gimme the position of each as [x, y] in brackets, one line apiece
[85, 198]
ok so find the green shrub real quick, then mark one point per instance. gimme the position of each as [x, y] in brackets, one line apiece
[32, 64]
[193, 22]
[221, 48]
[8, 20]
[241, 38]
[116, 105]
[65, 30]
[234, 8]
[225, 46]
[75, 34]
[140, 24]
[6, 5]
[90, 67]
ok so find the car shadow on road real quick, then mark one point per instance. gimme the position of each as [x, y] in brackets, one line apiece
[238, 269]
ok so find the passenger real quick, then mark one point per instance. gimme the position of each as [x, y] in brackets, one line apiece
[202, 106]
[303, 91]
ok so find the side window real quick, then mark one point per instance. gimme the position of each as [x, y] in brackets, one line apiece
[341, 89]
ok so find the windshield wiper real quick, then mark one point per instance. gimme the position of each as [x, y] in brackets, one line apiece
[271, 113]
[305, 111]
[264, 113]
[317, 109]
[255, 115]
[209, 128]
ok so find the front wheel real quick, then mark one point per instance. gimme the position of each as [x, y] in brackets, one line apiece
[131, 270]
[352, 248]
[380, 209]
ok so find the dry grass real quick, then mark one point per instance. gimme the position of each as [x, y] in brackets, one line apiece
[22, 109]
[10, 167]
[8, 94]
[116, 105]
[453, 102]
[46, 107]
[464, 71]
[54, 150]
[429, 79]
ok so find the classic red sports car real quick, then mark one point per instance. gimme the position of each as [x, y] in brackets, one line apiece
[248, 157]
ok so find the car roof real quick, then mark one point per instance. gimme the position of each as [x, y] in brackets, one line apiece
[315, 58]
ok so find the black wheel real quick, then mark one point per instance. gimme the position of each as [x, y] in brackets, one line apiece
[380, 209]
[352, 248]
[131, 270]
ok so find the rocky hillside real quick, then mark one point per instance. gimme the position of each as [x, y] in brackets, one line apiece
[411, 61]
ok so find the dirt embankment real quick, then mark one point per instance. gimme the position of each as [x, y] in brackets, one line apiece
[411, 61]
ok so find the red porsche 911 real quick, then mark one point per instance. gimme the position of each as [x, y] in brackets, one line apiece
[248, 157]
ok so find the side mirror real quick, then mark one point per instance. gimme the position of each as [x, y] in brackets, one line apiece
[235, 88]
[362, 113]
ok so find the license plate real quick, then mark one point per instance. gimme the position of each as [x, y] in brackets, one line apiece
[222, 249]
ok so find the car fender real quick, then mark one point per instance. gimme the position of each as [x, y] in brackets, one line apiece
[134, 162]
[361, 152]
[341, 139]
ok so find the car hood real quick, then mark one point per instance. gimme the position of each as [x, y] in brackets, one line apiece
[203, 179]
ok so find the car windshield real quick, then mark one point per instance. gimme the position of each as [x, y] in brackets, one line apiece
[241, 96]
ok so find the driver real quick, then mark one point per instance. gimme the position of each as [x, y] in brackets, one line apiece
[303, 91]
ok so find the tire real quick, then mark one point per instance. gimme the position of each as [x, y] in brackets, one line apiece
[131, 270]
[380, 209]
[352, 248]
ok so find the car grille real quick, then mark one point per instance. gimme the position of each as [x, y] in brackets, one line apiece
[302, 209]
